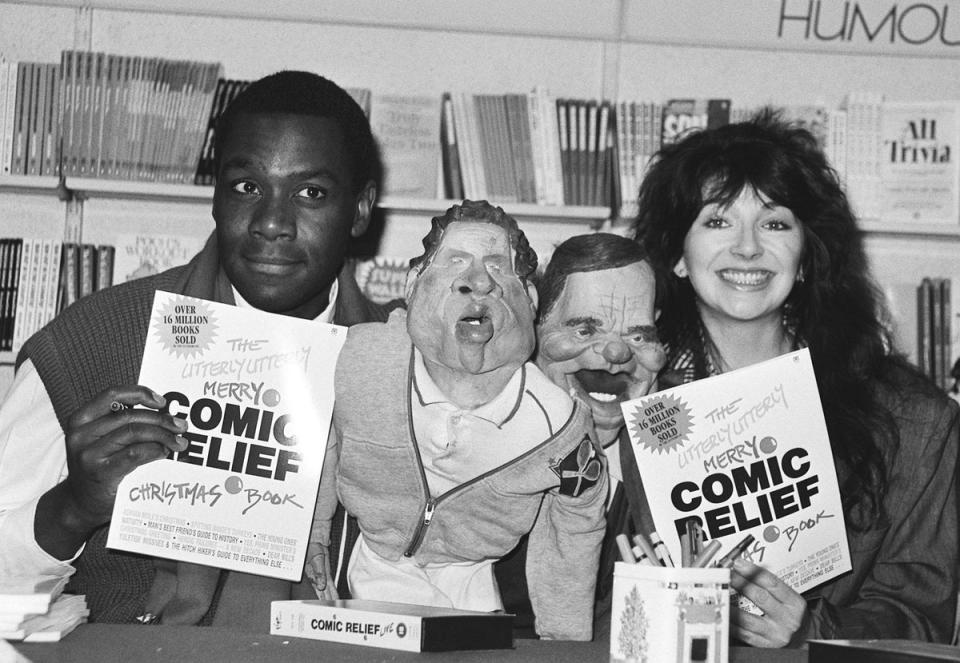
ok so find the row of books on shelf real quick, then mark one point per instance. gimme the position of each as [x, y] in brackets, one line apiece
[152, 119]
[41, 277]
[934, 333]
[37, 610]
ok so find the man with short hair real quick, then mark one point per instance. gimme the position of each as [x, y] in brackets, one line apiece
[296, 177]
[452, 445]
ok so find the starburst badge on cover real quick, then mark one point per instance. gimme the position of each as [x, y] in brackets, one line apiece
[185, 327]
[661, 424]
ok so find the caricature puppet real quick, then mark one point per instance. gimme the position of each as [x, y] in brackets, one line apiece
[452, 445]
[596, 338]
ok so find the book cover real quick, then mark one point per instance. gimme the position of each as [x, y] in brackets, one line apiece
[143, 254]
[407, 129]
[392, 625]
[919, 174]
[683, 115]
[746, 452]
[256, 390]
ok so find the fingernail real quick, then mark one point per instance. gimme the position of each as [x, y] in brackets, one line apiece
[181, 442]
[181, 424]
[740, 564]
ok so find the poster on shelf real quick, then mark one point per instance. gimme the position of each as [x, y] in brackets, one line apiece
[919, 173]
[256, 390]
[746, 452]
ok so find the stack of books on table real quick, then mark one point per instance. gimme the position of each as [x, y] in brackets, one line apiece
[36, 611]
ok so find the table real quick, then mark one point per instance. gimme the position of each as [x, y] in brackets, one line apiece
[114, 643]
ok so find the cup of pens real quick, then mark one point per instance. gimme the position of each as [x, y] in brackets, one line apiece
[666, 613]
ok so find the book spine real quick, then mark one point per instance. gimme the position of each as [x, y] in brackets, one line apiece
[88, 269]
[18, 152]
[946, 334]
[105, 254]
[923, 326]
[69, 275]
[8, 104]
[453, 181]
[358, 627]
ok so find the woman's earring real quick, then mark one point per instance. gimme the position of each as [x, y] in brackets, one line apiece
[800, 277]
[680, 269]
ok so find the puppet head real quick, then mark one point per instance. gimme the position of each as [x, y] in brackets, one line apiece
[596, 334]
[470, 306]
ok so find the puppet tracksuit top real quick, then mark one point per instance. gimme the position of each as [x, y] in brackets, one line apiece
[556, 491]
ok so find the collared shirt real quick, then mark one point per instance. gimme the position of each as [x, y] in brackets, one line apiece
[33, 459]
[457, 445]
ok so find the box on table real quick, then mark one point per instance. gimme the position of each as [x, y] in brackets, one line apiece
[668, 615]
[392, 625]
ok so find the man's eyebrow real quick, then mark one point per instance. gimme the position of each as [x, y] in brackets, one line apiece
[245, 162]
[582, 320]
[641, 329]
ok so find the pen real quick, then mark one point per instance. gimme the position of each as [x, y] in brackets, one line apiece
[709, 550]
[625, 552]
[642, 557]
[696, 536]
[686, 549]
[647, 549]
[660, 549]
[727, 560]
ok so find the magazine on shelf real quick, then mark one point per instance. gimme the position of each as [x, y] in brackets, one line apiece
[256, 389]
[746, 452]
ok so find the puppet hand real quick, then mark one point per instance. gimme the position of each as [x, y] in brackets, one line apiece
[784, 610]
[105, 443]
[318, 571]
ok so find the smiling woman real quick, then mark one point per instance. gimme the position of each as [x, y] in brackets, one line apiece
[757, 252]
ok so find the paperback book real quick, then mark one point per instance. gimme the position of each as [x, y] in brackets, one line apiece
[919, 172]
[746, 453]
[392, 625]
[256, 390]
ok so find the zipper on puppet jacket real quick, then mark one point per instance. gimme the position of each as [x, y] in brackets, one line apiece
[430, 507]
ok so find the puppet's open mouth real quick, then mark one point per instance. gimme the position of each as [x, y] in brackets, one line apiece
[475, 325]
[603, 386]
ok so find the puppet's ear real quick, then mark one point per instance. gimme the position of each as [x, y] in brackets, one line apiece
[412, 275]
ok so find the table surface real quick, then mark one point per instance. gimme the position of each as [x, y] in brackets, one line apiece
[108, 643]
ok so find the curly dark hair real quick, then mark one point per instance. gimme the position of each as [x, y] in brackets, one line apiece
[306, 93]
[524, 259]
[836, 309]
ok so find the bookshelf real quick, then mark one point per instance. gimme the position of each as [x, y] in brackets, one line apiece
[758, 52]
